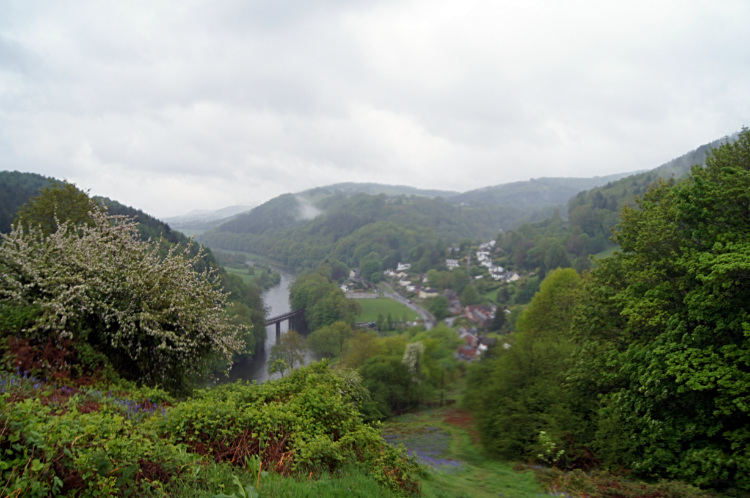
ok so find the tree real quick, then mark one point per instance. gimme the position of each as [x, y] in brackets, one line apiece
[469, 296]
[156, 319]
[518, 393]
[329, 340]
[58, 203]
[439, 307]
[663, 328]
[290, 348]
[361, 346]
[277, 366]
[498, 322]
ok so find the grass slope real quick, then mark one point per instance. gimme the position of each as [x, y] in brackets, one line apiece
[444, 440]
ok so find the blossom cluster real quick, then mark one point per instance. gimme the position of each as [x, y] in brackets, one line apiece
[147, 306]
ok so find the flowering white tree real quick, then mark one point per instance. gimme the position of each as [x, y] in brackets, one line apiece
[156, 319]
[412, 354]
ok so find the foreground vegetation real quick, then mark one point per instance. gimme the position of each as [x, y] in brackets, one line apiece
[99, 440]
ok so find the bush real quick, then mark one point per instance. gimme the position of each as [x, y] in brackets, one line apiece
[156, 319]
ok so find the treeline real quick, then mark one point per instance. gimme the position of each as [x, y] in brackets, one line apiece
[592, 215]
[641, 363]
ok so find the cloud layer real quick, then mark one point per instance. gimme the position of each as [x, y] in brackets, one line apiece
[176, 105]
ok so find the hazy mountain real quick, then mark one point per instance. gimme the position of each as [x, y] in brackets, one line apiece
[205, 215]
[533, 194]
[351, 188]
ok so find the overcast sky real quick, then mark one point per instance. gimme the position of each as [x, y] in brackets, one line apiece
[170, 106]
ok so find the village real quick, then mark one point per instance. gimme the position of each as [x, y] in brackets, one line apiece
[472, 322]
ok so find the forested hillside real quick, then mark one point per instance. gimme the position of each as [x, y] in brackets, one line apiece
[533, 194]
[16, 189]
[396, 225]
[596, 211]
[592, 215]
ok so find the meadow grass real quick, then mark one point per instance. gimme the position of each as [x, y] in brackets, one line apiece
[444, 440]
[248, 279]
[372, 307]
[214, 479]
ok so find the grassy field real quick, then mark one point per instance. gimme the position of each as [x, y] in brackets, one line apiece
[445, 441]
[248, 279]
[372, 307]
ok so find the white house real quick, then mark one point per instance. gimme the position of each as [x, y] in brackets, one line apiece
[452, 263]
[403, 266]
[427, 292]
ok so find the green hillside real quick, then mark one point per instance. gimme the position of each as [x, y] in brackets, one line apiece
[350, 227]
[533, 194]
[16, 189]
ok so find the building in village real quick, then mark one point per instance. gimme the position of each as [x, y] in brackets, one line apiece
[427, 292]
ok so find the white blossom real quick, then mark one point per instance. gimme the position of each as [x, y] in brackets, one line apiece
[153, 307]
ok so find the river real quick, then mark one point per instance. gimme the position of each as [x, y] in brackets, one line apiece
[276, 299]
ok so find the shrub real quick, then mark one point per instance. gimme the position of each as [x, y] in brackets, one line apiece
[157, 320]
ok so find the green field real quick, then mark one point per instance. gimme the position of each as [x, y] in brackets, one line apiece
[372, 307]
[248, 279]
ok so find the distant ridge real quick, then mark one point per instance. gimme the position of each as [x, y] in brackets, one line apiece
[204, 215]
[535, 193]
[349, 188]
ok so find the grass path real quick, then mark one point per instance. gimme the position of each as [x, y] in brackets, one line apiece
[445, 440]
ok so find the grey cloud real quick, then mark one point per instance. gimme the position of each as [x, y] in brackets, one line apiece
[233, 102]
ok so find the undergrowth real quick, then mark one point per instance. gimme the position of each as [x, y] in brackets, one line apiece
[116, 439]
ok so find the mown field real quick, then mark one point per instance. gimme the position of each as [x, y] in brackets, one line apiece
[248, 279]
[371, 308]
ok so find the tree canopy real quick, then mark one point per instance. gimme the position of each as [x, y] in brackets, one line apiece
[664, 325]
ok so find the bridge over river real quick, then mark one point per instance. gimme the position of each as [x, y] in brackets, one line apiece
[295, 320]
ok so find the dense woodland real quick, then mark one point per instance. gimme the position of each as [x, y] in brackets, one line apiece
[641, 363]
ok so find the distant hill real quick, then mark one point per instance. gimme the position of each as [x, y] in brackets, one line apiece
[533, 194]
[351, 188]
[203, 215]
[299, 233]
[16, 189]
[596, 211]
